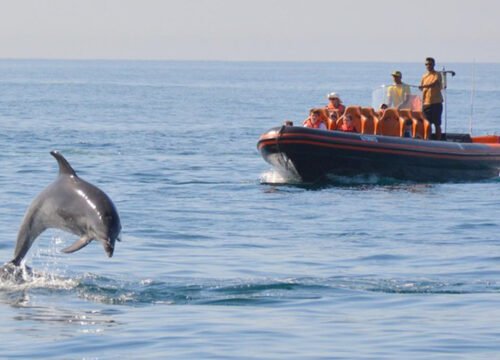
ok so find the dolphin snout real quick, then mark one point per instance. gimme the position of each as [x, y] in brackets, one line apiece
[109, 249]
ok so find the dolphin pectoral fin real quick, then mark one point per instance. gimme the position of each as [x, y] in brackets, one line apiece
[78, 244]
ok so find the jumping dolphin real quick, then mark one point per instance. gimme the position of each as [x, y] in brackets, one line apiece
[70, 204]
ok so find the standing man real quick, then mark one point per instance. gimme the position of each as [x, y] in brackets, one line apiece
[431, 86]
[398, 93]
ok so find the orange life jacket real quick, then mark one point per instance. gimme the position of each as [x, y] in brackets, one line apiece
[308, 123]
[341, 108]
[346, 128]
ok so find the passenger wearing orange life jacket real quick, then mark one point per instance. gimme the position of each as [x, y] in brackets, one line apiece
[348, 125]
[315, 120]
[382, 109]
[334, 103]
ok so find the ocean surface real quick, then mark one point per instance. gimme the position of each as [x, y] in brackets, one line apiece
[216, 260]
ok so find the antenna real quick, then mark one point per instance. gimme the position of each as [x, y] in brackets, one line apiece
[445, 72]
[472, 94]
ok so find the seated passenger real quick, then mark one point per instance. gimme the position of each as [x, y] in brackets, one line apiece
[334, 103]
[315, 120]
[347, 124]
[382, 109]
[408, 129]
[334, 116]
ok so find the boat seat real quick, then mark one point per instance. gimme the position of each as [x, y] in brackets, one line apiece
[371, 119]
[407, 116]
[325, 118]
[357, 118]
[423, 127]
[390, 124]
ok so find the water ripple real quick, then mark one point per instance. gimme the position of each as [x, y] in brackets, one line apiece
[237, 291]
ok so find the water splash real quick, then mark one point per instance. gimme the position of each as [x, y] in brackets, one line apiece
[22, 278]
[273, 177]
[48, 275]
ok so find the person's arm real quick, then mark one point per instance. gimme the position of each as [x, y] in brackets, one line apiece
[435, 83]
[440, 81]
[421, 86]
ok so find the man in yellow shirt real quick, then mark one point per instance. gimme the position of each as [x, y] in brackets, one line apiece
[431, 86]
[398, 94]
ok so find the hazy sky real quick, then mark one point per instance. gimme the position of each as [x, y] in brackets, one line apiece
[324, 30]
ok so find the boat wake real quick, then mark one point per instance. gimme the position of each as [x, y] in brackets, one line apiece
[367, 179]
[273, 177]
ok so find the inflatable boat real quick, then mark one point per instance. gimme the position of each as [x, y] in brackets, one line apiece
[395, 142]
[312, 154]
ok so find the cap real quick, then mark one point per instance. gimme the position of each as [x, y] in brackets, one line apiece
[397, 73]
[333, 95]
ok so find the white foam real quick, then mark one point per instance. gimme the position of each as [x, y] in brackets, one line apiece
[274, 177]
[48, 275]
[37, 280]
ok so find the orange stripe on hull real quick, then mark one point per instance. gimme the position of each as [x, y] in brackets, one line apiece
[377, 148]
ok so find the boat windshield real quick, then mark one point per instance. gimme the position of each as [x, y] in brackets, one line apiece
[381, 96]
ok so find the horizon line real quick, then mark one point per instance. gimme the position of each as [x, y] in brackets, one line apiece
[235, 60]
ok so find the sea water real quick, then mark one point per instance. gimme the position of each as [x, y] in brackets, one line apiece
[220, 258]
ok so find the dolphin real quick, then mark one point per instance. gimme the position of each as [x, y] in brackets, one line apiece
[70, 204]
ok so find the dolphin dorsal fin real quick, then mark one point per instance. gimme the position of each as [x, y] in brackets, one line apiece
[64, 166]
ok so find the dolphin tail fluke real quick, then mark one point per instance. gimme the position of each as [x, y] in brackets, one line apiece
[78, 244]
[15, 262]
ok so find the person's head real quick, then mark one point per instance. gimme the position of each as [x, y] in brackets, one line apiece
[397, 76]
[348, 119]
[430, 63]
[315, 115]
[333, 114]
[382, 109]
[334, 98]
